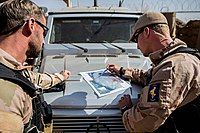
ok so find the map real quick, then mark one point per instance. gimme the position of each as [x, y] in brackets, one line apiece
[104, 82]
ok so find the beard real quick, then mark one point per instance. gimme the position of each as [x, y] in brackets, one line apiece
[33, 51]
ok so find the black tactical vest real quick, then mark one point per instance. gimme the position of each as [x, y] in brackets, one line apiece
[185, 119]
[15, 76]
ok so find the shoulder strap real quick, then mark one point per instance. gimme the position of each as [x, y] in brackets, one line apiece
[192, 51]
[16, 77]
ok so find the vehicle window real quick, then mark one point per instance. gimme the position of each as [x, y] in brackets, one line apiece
[82, 30]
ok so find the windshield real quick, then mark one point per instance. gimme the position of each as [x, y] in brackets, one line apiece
[96, 29]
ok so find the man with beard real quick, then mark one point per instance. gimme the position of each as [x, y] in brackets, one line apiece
[169, 101]
[22, 32]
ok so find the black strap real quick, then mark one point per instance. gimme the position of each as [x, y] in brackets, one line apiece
[40, 107]
[15, 76]
[191, 51]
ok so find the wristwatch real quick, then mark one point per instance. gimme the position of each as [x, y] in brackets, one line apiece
[121, 71]
[123, 109]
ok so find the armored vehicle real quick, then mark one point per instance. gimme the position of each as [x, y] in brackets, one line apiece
[87, 39]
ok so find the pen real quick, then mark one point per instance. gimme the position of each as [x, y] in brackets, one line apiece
[101, 74]
[131, 90]
[104, 72]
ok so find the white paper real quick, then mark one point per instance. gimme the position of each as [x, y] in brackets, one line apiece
[103, 82]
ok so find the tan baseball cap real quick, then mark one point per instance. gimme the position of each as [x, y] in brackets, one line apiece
[146, 19]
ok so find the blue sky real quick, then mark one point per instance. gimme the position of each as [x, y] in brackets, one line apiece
[191, 6]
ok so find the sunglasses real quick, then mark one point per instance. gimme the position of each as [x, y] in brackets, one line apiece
[45, 28]
[136, 35]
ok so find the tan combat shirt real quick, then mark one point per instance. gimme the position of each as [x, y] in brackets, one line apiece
[175, 82]
[13, 100]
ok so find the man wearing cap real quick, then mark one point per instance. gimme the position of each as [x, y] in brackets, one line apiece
[169, 101]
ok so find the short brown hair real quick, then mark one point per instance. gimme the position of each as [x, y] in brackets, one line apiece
[161, 28]
[13, 13]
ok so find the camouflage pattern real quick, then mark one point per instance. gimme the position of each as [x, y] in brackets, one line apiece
[136, 75]
[175, 82]
[15, 123]
[13, 99]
